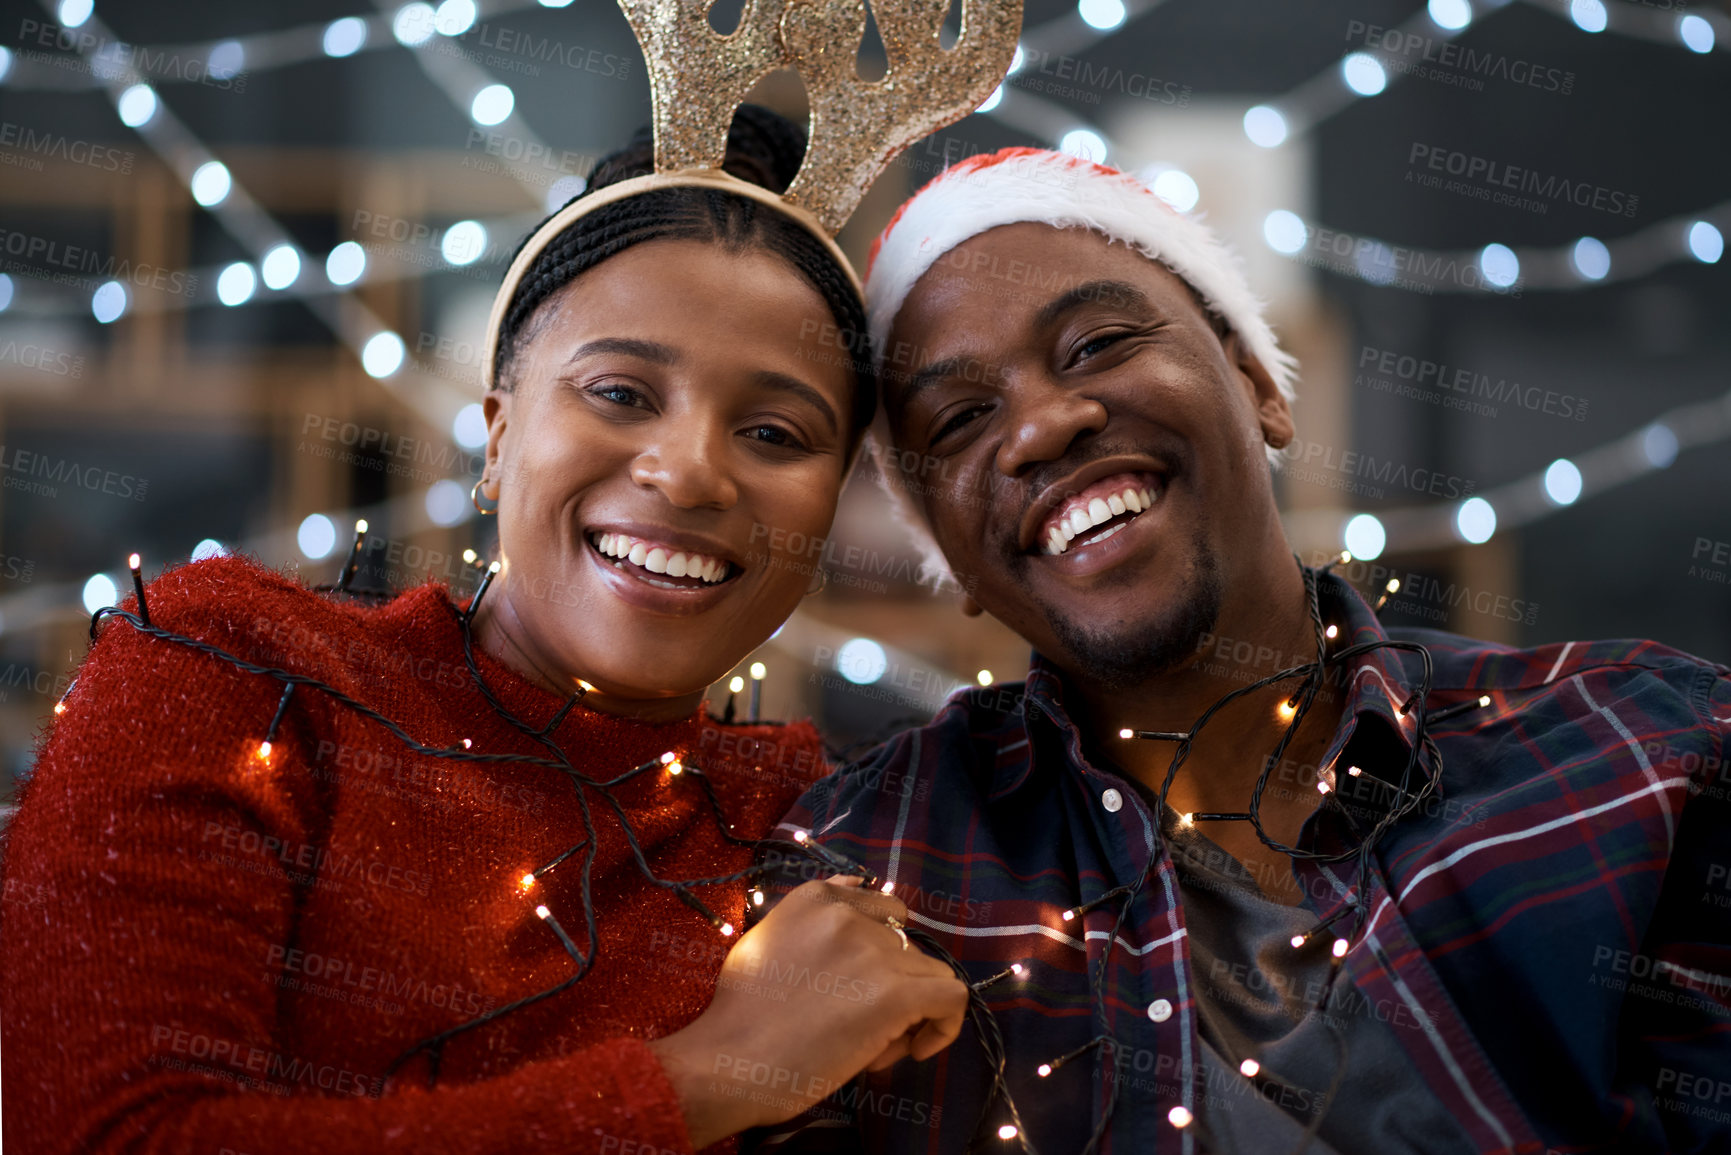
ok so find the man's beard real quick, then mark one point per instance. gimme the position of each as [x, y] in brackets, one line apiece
[1121, 658]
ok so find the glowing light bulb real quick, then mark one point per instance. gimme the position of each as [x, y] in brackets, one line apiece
[527, 881]
[1045, 1069]
[735, 685]
[1322, 786]
[543, 912]
[1018, 969]
[60, 706]
[1354, 771]
[1340, 945]
[1286, 710]
[1484, 699]
[1068, 915]
[1249, 1067]
[263, 752]
[800, 836]
[1180, 1117]
[889, 887]
[675, 767]
[468, 743]
[132, 561]
[726, 929]
[1297, 941]
[469, 556]
[1393, 585]
[1126, 733]
[1007, 1131]
[1187, 819]
[984, 677]
[668, 757]
[1331, 632]
[758, 670]
[757, 898]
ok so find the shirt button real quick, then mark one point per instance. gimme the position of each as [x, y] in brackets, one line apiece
[1112, 800]
[1159, 1010]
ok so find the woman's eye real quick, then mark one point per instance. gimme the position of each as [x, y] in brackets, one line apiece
[618, 394]
[774, 435]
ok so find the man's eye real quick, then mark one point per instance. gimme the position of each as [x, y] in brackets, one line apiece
[958, 421]
[1098, 345]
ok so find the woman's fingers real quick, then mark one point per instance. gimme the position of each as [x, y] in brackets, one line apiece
[844, 890]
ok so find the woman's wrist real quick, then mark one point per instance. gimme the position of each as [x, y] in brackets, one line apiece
[695, 1067]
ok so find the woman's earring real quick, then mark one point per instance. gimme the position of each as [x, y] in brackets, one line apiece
[484, 505]
[822, 582]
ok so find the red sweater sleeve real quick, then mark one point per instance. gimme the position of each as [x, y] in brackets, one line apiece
[137, 1015]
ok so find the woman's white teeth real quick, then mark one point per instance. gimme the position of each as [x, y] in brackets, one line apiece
[1098, 511]
[657, 559]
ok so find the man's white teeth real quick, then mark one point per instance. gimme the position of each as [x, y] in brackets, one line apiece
[657, 559]
[1098, 511]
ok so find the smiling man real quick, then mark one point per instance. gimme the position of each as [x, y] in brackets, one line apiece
[1237, 869]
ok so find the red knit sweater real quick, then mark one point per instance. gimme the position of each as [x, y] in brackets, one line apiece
[203, 952]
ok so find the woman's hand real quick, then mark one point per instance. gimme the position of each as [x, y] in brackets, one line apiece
[817, 992]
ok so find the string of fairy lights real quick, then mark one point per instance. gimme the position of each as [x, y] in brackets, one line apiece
[1418, 780]
[592, 795]
[432, 33]
[1380, 62]
[1000, 1116]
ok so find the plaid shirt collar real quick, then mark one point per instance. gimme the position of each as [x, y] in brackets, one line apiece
[1377, 686]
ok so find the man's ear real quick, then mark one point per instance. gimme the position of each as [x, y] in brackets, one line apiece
[496, 407]
[1273, 414]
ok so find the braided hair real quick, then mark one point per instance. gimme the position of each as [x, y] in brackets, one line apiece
[763, 148]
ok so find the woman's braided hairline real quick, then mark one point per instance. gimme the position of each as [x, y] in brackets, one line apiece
[707, 215]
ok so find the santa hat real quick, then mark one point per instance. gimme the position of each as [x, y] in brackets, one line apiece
[1018, 185]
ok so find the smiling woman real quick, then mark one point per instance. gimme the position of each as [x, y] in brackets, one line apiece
[355, 930]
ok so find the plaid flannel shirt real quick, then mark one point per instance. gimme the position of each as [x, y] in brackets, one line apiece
[1549, 935]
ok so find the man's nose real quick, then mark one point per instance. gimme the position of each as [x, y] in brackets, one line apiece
[1045, 419]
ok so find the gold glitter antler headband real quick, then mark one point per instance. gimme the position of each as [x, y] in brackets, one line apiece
[699, 77]
[858, 126]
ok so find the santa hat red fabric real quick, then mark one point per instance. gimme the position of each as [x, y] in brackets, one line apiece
[1019, 185]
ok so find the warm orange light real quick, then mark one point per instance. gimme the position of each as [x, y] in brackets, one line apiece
[1249, 1067]
[263, 752]
[726, 928]
[527, 882]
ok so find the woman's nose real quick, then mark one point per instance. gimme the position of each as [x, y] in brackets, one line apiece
[689, 468]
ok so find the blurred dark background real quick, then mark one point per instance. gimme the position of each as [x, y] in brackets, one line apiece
[248, 253]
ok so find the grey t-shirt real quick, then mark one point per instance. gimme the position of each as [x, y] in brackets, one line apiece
[1256, 997]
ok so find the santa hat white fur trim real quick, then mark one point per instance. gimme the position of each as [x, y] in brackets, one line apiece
[1020, 185]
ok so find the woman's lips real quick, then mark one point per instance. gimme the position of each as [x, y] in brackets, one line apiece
[669, 563]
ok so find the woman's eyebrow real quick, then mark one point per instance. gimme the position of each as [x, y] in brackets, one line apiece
[783, 383]
[653, 351]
